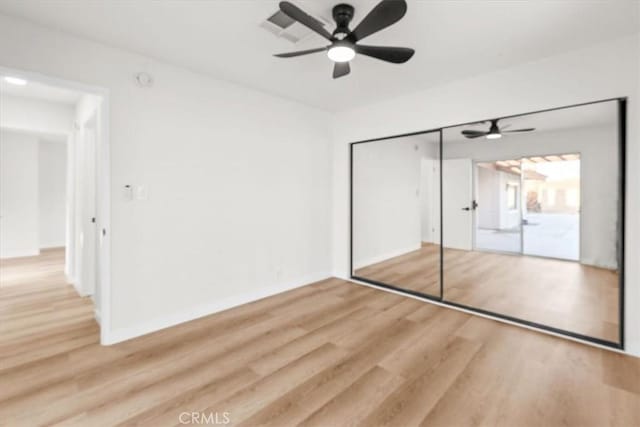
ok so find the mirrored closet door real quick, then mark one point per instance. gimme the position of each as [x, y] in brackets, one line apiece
[529, 208]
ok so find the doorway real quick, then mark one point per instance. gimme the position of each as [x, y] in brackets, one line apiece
[551, 206]
[55, 198]
[528, 206]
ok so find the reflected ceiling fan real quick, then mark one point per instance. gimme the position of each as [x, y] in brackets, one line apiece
[494, 131]
[344, 42]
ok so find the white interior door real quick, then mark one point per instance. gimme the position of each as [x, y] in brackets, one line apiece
[457, 197]
[88, 236]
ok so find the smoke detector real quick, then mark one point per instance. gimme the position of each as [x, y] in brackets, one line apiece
[143, 79]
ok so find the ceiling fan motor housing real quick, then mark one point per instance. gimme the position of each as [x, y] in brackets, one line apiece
[342, 14]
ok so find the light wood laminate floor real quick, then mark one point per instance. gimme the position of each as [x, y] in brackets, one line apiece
[562, 294]
[329, 354]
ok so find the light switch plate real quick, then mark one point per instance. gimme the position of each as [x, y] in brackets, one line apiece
[127, 193]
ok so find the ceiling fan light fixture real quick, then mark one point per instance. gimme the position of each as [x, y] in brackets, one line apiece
[344, 41]
[341, 53]
[15, 81]
[494, 131]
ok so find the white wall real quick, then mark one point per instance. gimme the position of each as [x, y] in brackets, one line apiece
[35, 115]
[18, 194]
[33, 193]
[52, 164]
[238, 182]
[597, 147]
[603, 71]
[489, 195]
[430, 198]
[387, 201]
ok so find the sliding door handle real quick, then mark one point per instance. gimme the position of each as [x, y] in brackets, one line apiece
[466, 209]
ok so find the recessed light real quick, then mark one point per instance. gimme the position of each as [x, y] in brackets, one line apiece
[15, 81]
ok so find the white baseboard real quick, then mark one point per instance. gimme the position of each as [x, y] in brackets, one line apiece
[57, 245]
[341, 275]
[20, 253]
[606, 265]
[386, 256]
[127, 333]
[76, 286]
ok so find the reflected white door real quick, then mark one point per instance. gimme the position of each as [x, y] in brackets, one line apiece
[457, 212]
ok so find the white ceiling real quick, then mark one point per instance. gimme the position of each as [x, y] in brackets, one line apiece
[40, 91]
[453, 39]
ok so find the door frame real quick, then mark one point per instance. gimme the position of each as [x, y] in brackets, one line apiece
[621, 103]
[102, 187]
[522, 202]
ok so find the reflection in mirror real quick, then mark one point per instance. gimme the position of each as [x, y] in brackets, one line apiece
[396, 212]
[531, 218]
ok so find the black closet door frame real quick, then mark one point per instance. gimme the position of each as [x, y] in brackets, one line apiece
[622, 139]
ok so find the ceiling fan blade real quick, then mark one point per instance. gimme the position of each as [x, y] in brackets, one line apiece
[299, 53]
[341, 69]
[520, 130]
[386, 13]
[294, 12]
[474, 133]
[397, 55]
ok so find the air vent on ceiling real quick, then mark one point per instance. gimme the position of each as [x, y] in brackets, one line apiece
[281, 19]
[281, 25]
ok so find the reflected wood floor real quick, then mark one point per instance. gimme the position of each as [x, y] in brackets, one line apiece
[331, 353]
[562, 294]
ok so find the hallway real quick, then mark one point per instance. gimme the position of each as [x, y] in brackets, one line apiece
[41, 315]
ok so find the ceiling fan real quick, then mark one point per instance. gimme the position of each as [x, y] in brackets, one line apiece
[344, 42]
[494, 131]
